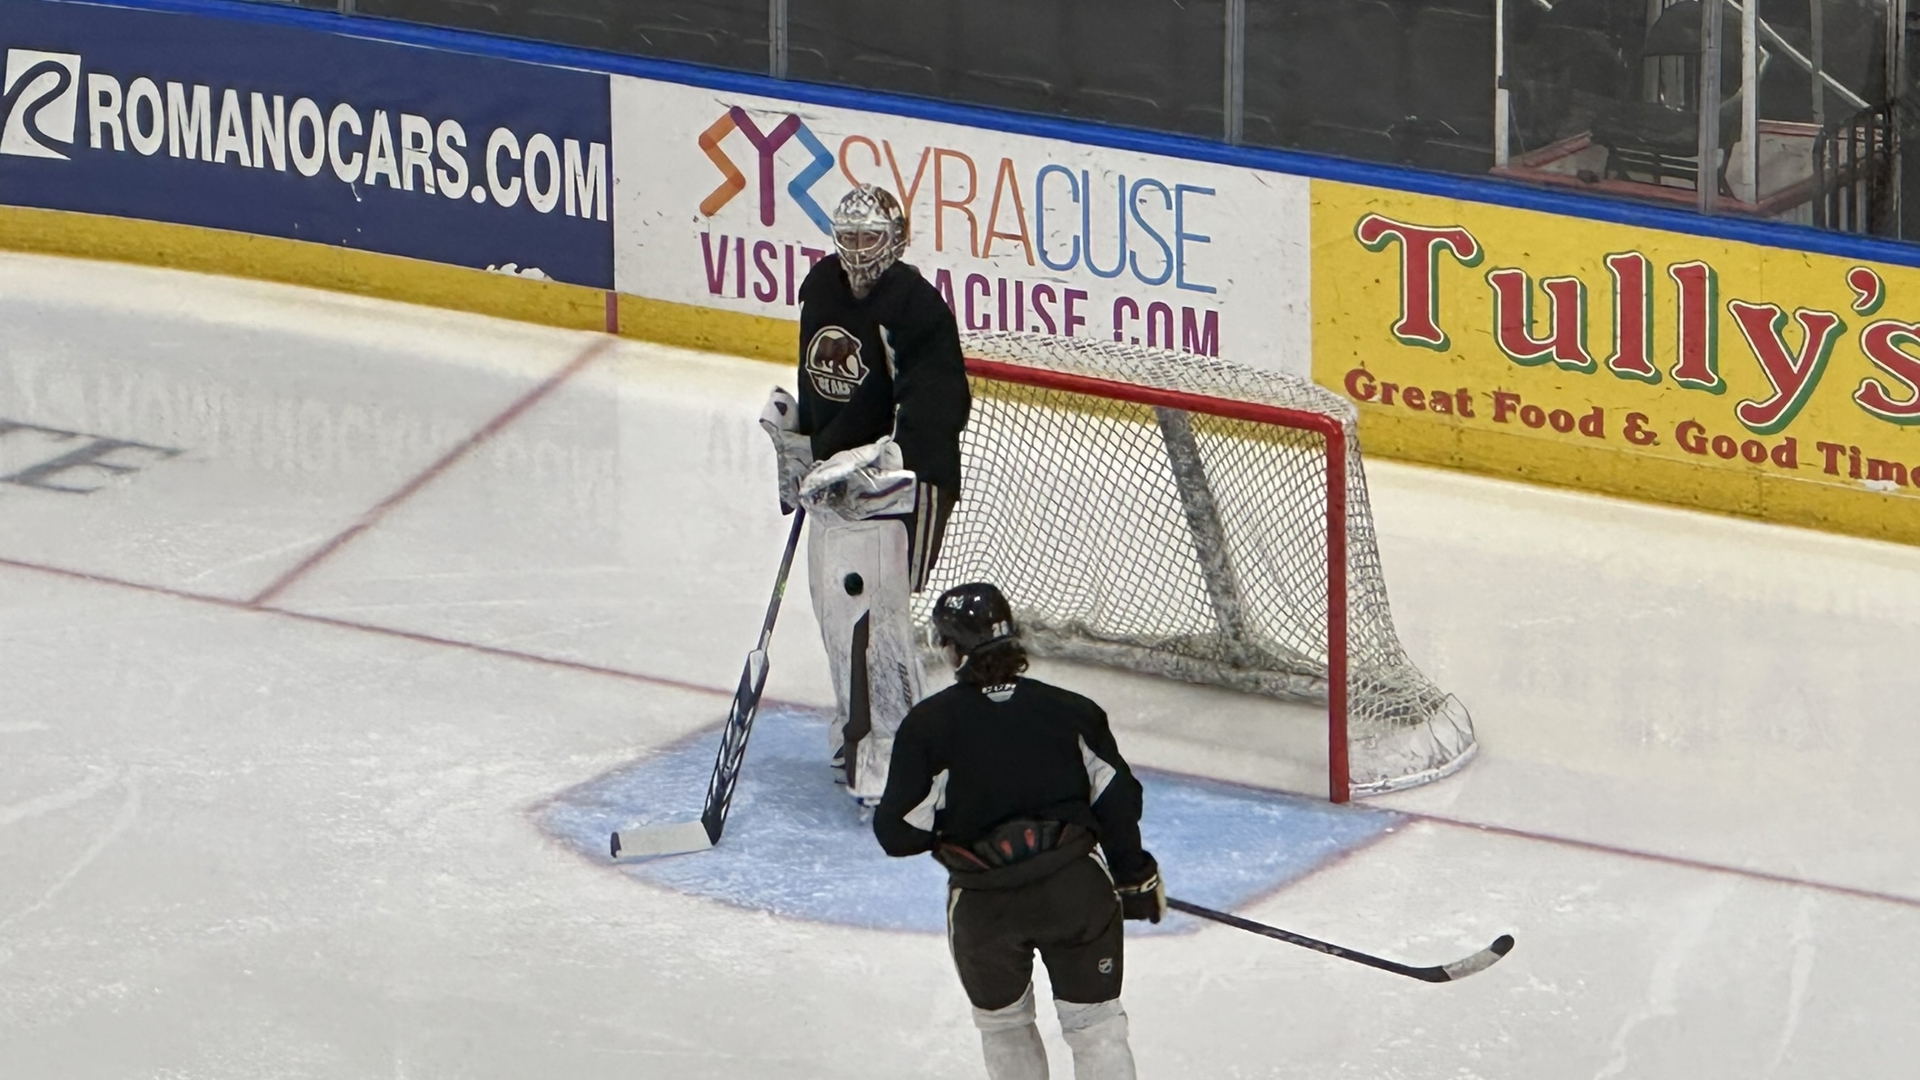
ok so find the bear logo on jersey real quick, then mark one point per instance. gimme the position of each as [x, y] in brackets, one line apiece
[833, 363]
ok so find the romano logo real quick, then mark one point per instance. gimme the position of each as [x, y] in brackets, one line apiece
[41, 98]
[360, 143]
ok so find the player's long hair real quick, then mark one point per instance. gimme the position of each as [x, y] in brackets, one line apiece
[994, 663]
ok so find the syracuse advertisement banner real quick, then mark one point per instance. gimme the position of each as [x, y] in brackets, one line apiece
[296, 133]
[1695, 370]
[723, 199]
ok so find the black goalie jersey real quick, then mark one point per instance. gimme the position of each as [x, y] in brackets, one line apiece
[886, 365]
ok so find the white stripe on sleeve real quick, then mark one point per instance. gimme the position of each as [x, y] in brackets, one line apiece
[1099, 773]
[921, 817]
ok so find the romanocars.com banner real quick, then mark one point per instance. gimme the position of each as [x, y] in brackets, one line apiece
[723, 201]
[309, 135]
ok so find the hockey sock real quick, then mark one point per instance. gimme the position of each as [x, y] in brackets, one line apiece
[1097, 1034]
[1011, 1041]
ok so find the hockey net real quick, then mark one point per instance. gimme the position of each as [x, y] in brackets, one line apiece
[1193, 518]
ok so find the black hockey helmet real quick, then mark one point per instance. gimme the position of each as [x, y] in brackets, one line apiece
[970, 617]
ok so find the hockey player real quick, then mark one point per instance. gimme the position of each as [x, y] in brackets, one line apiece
[1012, 783]
[871, 449]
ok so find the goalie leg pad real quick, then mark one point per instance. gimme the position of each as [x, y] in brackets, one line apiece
[858, 575]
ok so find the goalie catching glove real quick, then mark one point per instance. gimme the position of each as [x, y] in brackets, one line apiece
[1146, 896]
[793, 451]
[864, 482]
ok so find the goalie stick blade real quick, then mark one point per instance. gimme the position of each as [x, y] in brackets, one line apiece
[686, 837]
[648, 841]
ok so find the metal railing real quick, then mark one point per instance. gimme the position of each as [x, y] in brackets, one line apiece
[1856, 169]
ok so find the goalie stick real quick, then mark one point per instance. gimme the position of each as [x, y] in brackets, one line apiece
[1459, 969]
[703, 832]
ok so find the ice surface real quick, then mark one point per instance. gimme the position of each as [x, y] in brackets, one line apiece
[309, 838]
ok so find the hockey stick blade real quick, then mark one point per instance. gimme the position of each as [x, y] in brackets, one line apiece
[647, 841]
[686, 837]
[1481, 960]
[1459, 969]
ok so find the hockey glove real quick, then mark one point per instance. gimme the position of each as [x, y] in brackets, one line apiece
[1146, 896]
[792, 451]
[864, 482]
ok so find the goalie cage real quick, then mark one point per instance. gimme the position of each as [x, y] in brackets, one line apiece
[1197, 519]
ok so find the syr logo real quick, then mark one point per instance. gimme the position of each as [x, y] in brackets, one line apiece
[765, 145]
[41, 98]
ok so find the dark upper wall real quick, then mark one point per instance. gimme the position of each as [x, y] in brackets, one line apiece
[1143, 63]
[725, 33]
[1407, 81]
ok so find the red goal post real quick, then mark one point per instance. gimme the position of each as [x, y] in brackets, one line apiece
[1189, 517]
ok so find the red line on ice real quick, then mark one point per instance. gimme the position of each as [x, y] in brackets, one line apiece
[386, 631]
[1670, 860]
[372, 517]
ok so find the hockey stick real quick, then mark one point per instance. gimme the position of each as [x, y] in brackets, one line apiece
[702, 833]
[1459, 969]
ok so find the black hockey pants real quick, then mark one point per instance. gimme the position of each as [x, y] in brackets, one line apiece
[1071, 916]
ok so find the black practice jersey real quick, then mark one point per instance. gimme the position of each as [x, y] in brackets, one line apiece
[969, 758]
[886, 365]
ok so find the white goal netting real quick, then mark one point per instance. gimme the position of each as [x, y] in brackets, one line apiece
[1185, 543]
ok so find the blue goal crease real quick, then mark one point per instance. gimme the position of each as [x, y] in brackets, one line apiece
[795, 845]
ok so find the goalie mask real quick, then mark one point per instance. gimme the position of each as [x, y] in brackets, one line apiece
[869, 233]
[972, 617]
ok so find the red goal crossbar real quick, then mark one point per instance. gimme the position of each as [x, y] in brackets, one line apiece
[1329, 428]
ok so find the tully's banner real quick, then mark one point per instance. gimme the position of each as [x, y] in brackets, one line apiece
[1687, 369]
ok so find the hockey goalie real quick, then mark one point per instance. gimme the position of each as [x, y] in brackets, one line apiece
[871, 449]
